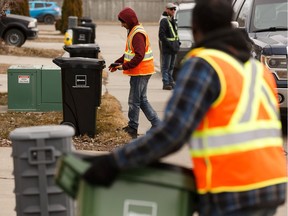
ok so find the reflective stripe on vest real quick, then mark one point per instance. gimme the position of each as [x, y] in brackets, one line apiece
[241, 125]
[146, 67]
[129, 54]
[175, 36]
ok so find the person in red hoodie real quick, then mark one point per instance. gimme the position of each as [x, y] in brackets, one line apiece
[136, 62]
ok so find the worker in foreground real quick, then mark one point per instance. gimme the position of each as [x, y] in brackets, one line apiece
[225, 107]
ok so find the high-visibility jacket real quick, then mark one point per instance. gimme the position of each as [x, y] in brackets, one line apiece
[238, 145]
[175, 34]
[146, 66]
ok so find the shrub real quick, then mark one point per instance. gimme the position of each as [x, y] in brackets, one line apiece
[20, 7]
[69, 8]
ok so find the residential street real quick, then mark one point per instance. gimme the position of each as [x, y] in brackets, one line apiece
[111, 38]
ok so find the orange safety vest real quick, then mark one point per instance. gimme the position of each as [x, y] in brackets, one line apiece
[146, 66]
[238, 145]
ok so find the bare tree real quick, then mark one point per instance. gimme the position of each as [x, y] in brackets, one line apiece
[12, 5]
[5, 5]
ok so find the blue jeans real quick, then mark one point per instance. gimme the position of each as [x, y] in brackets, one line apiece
[168, 63]
[138, 100]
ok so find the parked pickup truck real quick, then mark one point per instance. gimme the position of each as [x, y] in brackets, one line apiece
[16, 29]
[265, 21]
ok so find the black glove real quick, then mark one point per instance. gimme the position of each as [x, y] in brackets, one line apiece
[103, 170]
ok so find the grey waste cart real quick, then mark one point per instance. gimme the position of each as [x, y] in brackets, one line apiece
[81, 35]
[72, 22]
[88, 51]
[157, 190]
[35, 151]
[81, 78]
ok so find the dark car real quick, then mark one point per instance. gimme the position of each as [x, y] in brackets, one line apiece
[45, 11]
[265, 21]
[16, 29]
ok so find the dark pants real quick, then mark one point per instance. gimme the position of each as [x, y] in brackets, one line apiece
[168, 63]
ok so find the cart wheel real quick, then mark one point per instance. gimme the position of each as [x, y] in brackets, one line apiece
[69, 124]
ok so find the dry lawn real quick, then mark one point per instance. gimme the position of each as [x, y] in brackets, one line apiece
[109, 123]
[26, 51]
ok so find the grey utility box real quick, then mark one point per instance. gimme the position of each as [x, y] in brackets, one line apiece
[35, 151]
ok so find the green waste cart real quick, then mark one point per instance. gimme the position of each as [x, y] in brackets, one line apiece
[155, 190]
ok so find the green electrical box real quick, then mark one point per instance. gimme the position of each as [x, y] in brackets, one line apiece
[34, 88]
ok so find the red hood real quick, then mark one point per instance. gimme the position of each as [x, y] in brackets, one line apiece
[129, 16]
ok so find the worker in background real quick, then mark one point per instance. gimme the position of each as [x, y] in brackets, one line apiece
[137, 62]
[170, 44]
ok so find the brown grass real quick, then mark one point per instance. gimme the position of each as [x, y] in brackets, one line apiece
[27, 51]
[4, 68]
[109, 123]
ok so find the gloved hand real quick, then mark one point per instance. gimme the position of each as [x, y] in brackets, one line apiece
[115, 66]
[103, 170]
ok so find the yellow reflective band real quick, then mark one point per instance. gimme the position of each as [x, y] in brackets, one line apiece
[172, 39]
[240, 128]
[269, 99]
[272, 109]
[249, 98]
[245, 187]
[148, 56]
[231, 136]
[220, 75]
[137, 29]
[175, 36]
[222, 55]
[238, 147]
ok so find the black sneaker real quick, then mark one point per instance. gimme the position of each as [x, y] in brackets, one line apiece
[131, 131]
[167, 87]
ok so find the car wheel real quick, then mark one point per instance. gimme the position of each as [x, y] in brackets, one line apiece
[49, 19]
[14, 37]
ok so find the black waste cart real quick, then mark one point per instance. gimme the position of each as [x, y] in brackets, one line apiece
[80, 80]
[87, 22]
[87, 51]
[81, 35]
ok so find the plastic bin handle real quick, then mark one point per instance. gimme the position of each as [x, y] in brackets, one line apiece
[41, 155]
[58, 61]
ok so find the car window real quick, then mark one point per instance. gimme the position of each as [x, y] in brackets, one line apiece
[48, 4]
[184, 18]
[244, 13]
[268, 14]
[39, 5]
